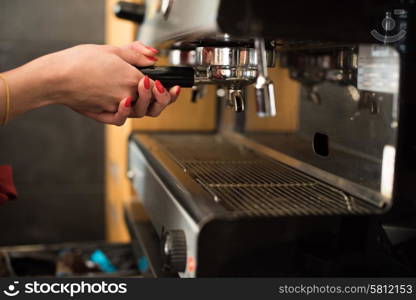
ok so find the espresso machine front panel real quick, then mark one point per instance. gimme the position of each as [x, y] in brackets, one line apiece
[348, 116]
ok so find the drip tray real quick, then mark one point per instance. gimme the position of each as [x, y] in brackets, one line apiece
[249, 184]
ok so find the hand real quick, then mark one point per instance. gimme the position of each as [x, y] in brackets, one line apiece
[92, 80]
[144, 105]
[111, 77]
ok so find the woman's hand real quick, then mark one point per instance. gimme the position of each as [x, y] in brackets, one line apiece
[92, 80]
[153, 98]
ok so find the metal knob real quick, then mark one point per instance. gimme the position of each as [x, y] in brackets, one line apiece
[265, 92]
[174, 251]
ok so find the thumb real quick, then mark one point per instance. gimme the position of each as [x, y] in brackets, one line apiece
[118, 118]
[134, 54]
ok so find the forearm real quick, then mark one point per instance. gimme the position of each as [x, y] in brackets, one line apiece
[31, 86]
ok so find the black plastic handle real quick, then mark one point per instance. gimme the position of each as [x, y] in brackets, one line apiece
[171, 76]
[130, 11]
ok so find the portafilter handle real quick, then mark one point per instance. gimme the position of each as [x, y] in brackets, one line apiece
[265, 92]
[171, 76]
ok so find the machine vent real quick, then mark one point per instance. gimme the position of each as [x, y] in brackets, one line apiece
[249, 184]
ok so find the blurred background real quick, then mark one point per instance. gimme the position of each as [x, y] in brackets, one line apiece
[57, 155]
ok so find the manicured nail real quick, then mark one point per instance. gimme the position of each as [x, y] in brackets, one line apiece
[152, 49]
[151, 58]
[178, 90]
[128, 101]
[159, 87]
[146, 82]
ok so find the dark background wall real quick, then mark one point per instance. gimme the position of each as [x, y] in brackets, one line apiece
[57, 155]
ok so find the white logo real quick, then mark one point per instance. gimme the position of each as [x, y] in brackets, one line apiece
[389, 24]
[11, 290]
[68, 288]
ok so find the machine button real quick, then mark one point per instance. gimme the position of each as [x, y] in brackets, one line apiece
[174, 250]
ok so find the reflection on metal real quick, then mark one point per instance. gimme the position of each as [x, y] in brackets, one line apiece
[182, 57]
[354, 93]
[265, 93]
[235, 100]
[232, 67]
[166, 211]
[353, 188]
[357, 88]
[198, 92]
[165, 7]
[378, 69]
[247, 183]
[387, 171]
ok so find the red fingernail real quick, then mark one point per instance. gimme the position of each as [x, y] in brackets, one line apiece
[159, 87]
[152, 49]
[178, 90]
[151, 58]
[146, 82]
[128, 101]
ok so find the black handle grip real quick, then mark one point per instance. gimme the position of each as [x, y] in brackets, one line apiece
[130, 11]
[171, 76]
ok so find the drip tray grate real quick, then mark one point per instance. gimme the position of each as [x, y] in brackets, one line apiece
[247, 183]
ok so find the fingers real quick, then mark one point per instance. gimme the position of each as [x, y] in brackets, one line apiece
[145, 96]
[118, 118]
[137, 54]
[174, 93]
[162, 99]
[144, 106]
[124, 110]
[146, 50]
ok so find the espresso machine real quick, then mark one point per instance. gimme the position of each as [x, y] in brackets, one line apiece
[332, 195]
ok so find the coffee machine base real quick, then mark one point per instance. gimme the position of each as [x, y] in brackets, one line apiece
[220, 208]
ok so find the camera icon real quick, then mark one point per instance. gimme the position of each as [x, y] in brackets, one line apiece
[12, 290]
[389, 24]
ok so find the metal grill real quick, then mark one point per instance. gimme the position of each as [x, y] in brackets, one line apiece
[249, 184]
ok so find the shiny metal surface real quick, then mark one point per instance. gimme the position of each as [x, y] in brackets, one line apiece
[236, 100]
[232, 68]
[265, 98]
[227, 76]
[242, 191]
[165, 7]
[180, 57]
[165, 211]
[349, 93]
[355, 189]
[247, 183]
[171, 20]
[221, 65]
[198, 92]
[379, 69]
[231, 57]
[265, 93]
